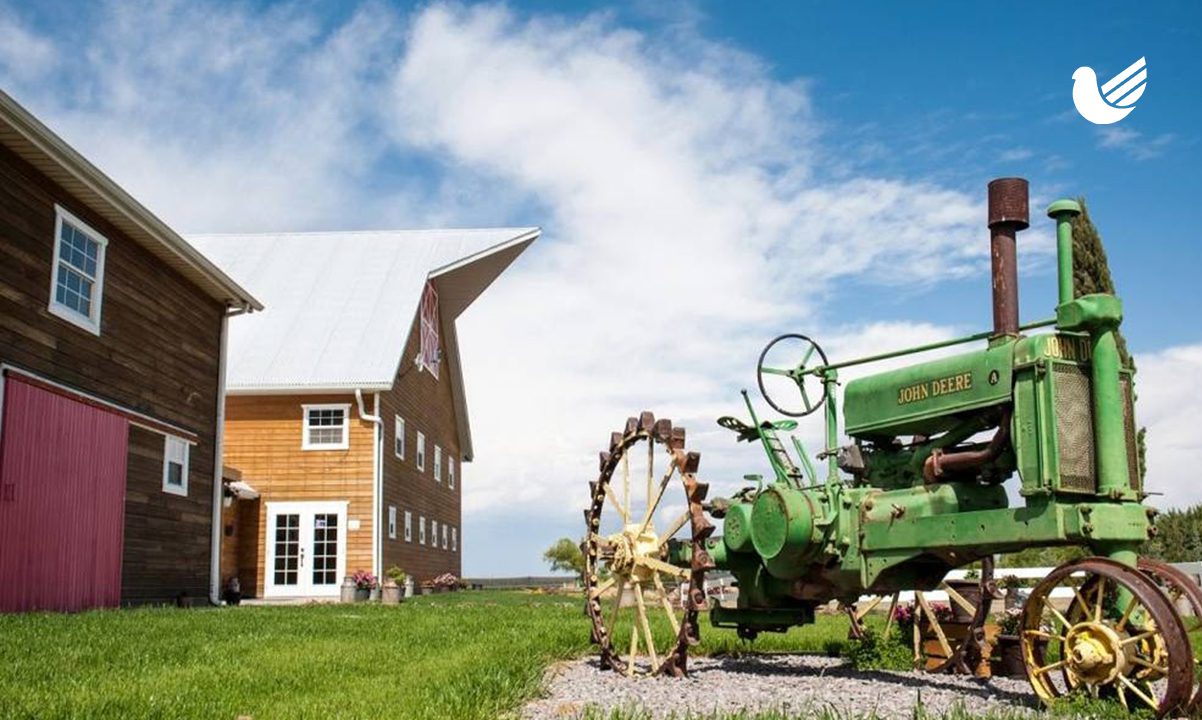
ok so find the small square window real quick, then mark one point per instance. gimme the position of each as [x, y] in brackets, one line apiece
[392, 522]
[175, 466]
[326, 427]
[437, 464]
[454, 539]
[444, 536]
[421, 529]
[398, 437]
[77, 272]
[450, 471]
[408, 526]
[421, 451]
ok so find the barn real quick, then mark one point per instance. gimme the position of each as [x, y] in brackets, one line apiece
[112, 330]
[346, 413]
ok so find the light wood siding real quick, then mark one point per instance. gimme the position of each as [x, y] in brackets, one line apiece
[263, 441]
[157, 353]
[427, 406]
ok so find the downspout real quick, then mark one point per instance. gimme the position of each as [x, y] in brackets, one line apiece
[376, 477]
[218, 457]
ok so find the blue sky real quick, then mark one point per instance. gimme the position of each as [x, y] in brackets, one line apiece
[789, 167]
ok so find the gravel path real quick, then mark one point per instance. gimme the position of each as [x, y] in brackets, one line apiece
[794, 683]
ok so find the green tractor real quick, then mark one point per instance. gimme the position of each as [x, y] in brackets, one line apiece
[919, 491]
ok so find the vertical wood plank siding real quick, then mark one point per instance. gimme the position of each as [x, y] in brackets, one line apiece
[157, 354]
[62, 467]
[263, 441]
[426, 404]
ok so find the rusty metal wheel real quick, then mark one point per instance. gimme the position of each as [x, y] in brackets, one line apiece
[644, 585]
[1184, 594]
[1117, 636]
[942, 645]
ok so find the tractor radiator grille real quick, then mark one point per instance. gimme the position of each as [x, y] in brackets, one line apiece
[1074, 429]
[1129, 429]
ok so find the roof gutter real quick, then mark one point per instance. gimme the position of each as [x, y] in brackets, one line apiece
[377, 472]
[218, 455]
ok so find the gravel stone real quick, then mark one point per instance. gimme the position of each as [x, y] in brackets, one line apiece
[788, 682]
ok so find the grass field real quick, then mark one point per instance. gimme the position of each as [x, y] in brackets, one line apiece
[458, 655]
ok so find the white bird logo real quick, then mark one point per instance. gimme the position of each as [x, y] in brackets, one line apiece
[1114, 100]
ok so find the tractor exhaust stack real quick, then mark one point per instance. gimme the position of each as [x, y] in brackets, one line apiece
[1008, 213]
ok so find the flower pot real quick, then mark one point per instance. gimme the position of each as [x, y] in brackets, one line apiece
[362, 594]
[346, 593]
[1008, 657]
[970, 590]
[374, 594]
[390, 594]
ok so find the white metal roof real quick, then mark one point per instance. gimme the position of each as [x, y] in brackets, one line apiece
[41, 147]
[340, 304]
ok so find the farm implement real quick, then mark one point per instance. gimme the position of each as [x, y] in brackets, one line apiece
[920, 490]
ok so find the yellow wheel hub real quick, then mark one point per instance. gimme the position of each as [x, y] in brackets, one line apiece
[632, 549]
[1095, 653]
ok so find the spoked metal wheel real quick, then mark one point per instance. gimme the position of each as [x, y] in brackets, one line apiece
[1117, 636]
[645, 557]
[943, 645]
[1186, 597]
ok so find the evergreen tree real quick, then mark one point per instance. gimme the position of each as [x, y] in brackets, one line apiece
[1091, 274]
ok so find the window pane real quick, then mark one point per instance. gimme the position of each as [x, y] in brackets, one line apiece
[175, 474]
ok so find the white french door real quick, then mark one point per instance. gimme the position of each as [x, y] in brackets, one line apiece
[306, 549]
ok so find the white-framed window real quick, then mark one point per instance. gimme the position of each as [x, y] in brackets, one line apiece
[326, 427]
[437, 463]
[392, 522]
[408, 526]
[421, 450]
[444, 536]
[455, 539]
[450, 471]
[77, 273]
[175, 466]
[434, 533]
[421, 529]
[398, 437]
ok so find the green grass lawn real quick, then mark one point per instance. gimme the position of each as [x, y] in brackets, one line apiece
[458, 655]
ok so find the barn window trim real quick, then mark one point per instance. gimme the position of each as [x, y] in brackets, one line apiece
[421, 529]
[421, 451]
[444, 536]
[307, 442]
[434, 534]
[408, 526]
[89, 321]
[392, 522]
[455, 538]
[175, 452]
[437, 463]
[450, 471]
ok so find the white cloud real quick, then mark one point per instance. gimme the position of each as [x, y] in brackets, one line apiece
[23, 54]
[1169, 386]
[1134, 143]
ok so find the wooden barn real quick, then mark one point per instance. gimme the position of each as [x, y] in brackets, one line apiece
[346, 418]
[112, 329]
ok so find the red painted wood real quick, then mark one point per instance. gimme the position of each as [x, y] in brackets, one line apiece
[62, 501]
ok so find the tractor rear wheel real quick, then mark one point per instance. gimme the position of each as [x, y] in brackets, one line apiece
[1111, 632]
[645, 557]
[1183, 593]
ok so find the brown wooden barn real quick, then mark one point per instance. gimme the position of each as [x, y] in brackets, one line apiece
[112, 329]
[346, 419]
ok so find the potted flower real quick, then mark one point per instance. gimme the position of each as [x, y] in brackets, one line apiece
[1014, 595]
[1007, 652]
[365, 582]
[391, 592]
[446, 582]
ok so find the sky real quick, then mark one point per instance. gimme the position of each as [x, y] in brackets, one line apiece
[707, 176]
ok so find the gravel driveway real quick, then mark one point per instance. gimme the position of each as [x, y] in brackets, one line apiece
[793, 683]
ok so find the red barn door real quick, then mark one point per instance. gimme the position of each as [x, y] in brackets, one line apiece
[62, 501]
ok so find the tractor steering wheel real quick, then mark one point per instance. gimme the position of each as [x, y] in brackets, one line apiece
[799, 374]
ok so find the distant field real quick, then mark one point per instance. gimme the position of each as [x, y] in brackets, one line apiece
[458, 655]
